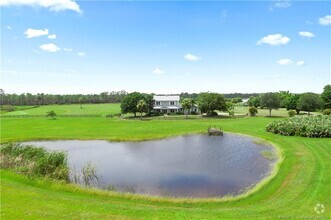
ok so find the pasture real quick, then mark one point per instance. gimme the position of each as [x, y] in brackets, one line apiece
[73, 109]
[302, 181]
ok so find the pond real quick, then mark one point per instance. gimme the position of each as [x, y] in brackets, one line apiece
[184, 166]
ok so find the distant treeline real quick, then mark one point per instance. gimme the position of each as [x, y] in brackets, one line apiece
[227, 96]
[48, 99]
[104, 97]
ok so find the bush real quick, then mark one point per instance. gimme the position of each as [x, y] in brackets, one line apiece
[8, 108]
[327, 111]
[34, 161]
[193, 113]
[291, 113]
[318, 126]
[252, 111]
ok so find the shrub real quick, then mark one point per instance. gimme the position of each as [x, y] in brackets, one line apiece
[327, 111]
[252, 111]
[291, 113]
[34, 161]
[318, 126]
[8, 108]
[193, 113]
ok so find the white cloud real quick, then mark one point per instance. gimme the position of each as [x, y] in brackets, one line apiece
[9, 27]
[280, 4]
[50, 47]
[158, 71]
[30, 33]
[81, 54]
[300, 63]
[326, 20]
[191, 57]
[306, 34]
[67, 49]
[284, 62]
[51, 36]
[274, 40]
[53, 5]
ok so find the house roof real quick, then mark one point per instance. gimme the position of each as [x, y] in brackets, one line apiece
[166, 98]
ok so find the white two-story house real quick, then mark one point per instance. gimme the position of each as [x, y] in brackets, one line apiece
[170, 104]
[167, 104]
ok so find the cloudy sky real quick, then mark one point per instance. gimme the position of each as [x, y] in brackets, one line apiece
[62, 46]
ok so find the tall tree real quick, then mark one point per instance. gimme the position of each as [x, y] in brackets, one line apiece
[129, 103]
[186, 105]
[326, 97]
[270, 101]
[309, 102]
[209, 102]
[292, 103]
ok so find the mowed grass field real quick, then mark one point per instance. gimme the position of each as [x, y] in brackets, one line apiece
[303, 179]
[74, 109]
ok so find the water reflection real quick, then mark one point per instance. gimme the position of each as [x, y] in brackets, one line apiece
[189, 166]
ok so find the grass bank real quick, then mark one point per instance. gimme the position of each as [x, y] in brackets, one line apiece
[303, 179]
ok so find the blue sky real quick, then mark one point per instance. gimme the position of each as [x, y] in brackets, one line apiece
[165, 47]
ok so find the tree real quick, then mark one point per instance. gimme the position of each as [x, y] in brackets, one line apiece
[129, 103]
[326, 97]
[149, 99]
[284, 96]
[187, 105]
[292, 103]
[142, 107]
[254, 101]
[81, 100]
[51, 114]
[230, 108]
[270, 101]
[209, 102]
[309, 102]
[2, 96]
[252, 111]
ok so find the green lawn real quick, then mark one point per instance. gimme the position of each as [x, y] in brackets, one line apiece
[100, 109]
[303, 180]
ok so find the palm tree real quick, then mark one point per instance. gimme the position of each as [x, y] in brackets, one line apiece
[187, 105]
[141, 107]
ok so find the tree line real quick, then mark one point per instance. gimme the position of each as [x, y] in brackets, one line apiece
[308, 101]
[209, 103]
[48, 99]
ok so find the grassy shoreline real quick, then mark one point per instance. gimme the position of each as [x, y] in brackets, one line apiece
[301, 181]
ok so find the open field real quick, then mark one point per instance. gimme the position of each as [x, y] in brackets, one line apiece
[100, 109]
[114, 108]
[303, 180]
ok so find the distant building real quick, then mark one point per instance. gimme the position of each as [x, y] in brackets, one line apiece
[169, 104]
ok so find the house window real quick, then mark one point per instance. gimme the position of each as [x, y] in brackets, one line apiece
[157, 103]
[172, 110]
[172, 103]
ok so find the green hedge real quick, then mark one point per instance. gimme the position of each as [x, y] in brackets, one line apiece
[317, 126]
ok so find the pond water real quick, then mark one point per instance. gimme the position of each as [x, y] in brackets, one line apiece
[185, 166]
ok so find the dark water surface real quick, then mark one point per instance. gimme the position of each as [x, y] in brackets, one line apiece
[185, 166]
